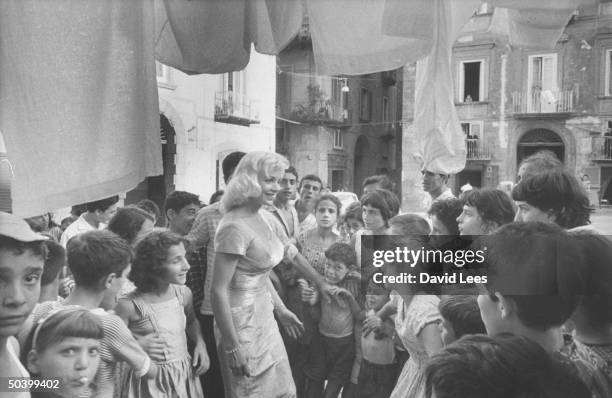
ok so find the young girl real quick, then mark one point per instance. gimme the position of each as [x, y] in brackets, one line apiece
[65, 347]
[162, 306]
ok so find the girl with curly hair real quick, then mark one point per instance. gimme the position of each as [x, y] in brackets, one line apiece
[160, 310]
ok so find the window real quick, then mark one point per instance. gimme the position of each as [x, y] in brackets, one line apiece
[608, 77]
[471, 81]
[365, 109]
[163, 73]
[542, 83]
[337, 139]
[472, 130]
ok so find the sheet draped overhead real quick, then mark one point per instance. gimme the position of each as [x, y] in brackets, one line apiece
[78, 99]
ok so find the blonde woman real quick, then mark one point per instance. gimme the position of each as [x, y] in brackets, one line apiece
[248, 244]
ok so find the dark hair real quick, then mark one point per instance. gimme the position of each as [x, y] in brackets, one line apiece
[504, 366]
[292, 170]
[447, 211]
[540, 162]
[150, 207]
[342, 252]
[353, 211]
[310, 177]
[558, 192]
[94, 255]
[596, 304]
[54, 262]
[463, 314]
[177, 200]
[539, 267]
[66, 323]
[493, 205]
[411, 224]
[383, 200]
[216, 196]
[229, 164]
[18, 247]
[150, 256]
[383, 181]
[332, 198]
[102, 204]
[128, 221]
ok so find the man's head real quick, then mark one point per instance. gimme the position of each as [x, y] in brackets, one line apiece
[484, 210]
[100, 262]
[310, 188]
[380, 181]
[103, 209]
[22, 257]
[229, 164]
[536, 273]
[444, 215]
[434, 183]
[554, 196]
[150, 207]
[540, 162]
[378, 207]
[288, 184]
[181, 208]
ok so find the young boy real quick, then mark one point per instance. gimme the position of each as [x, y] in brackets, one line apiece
[377, 374]
[332, 349]
[100, 262]
[460, 317]
[533, 291]
[22, 256]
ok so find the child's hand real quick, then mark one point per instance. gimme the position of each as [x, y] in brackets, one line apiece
[201, 361]
[153, 345]
[354, 275]
[344, 293]
[372, 323]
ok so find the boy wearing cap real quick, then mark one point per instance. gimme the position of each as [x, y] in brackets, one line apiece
[22, 256]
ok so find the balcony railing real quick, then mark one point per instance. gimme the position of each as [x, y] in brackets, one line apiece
[234, 108]
[543, 102]
[602, 148]
[477, 150]
[320, 112]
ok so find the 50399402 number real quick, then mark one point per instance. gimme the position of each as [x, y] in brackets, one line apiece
[18, 384]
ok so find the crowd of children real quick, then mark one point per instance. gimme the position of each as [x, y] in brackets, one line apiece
[255, 296]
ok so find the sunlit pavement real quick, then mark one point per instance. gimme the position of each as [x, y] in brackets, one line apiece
[602, 220]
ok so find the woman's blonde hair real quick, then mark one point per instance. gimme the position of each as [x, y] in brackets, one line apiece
[244, 184]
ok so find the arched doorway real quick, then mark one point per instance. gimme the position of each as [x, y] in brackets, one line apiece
[537, 140]
[156, 188]
[360, 168]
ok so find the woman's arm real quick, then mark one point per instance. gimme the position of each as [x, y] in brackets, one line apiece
[225, 267]
[288, 319]
[387, 310]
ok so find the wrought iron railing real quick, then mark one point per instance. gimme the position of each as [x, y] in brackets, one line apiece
[477, 150]
[543, 101]
[229, 104]
[602, 148]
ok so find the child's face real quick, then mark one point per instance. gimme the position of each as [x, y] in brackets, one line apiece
[335, 271]
[376, 297]
[372, 218]
[176, 265]
[74, 361]
[447, 332]
[111, 294]
[326, 214]
[353, 225]
[470, 222]
[287, 274]
[19, 288]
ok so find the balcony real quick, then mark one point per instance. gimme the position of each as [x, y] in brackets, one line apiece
[543, 102]
[234, 108]
[320, 112]
[477, 150]
[601, 148]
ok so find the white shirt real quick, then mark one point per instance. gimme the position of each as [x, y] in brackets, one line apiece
[78, 227]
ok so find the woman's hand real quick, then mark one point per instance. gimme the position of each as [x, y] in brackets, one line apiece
[290, 322]
[201, 361]
[237, 359]
[153, 345]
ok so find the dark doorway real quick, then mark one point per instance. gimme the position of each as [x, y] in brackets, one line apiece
[337, 180]
[157, 187]
[471, 176]
[537, 140]
[606, 184]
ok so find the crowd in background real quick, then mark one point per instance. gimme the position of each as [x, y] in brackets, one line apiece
[268, 291]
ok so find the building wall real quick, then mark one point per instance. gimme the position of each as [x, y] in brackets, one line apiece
[189, 104]
[580, 70]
